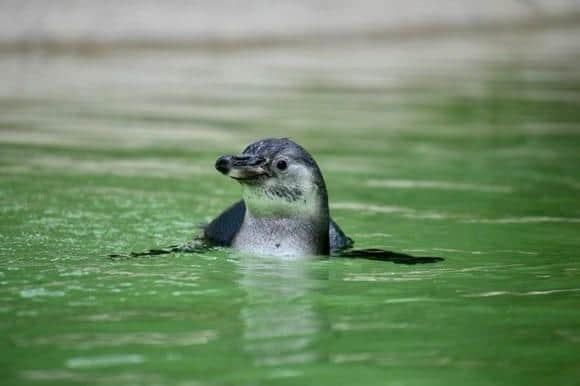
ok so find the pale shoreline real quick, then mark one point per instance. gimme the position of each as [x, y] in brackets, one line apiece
[83, 26]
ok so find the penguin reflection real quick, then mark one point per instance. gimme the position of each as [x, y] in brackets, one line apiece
[280, 321]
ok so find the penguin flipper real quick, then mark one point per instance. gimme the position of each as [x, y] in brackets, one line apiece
[339, 241]
[222, 230]
[219, 232]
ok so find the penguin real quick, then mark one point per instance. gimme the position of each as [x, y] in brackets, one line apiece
[283, 211]
[284, 207]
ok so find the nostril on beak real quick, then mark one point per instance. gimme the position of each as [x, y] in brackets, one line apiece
[223, 164]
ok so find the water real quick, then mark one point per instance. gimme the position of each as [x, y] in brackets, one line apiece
[465, 148]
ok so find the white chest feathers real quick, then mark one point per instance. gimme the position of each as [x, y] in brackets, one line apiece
[280, 237]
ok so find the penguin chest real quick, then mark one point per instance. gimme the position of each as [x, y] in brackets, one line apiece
[277, 237]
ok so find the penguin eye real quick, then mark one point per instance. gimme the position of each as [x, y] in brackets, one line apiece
[282, 165]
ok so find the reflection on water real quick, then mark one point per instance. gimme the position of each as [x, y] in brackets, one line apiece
[280, 320]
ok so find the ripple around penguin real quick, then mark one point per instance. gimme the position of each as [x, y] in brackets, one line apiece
[283, 212]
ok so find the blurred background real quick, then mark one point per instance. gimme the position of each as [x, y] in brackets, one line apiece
[218, 72]
[443, 128]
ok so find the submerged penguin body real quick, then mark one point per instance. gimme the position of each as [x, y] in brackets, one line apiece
[284, 210]
[223, 230]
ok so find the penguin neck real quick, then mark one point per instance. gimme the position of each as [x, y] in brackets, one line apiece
[279, 202]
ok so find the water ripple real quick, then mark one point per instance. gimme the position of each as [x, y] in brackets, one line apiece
[104, 361]
[359, 326]
[526, 220]
[529, 293]
[371, 207]
[433, 215]
[38, 292]
[439, 185]
[90, 341]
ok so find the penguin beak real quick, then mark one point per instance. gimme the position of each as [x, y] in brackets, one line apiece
[244, 167]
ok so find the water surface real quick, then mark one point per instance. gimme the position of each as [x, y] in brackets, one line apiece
[462, 148]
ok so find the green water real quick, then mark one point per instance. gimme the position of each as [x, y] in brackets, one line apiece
[465, 150]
